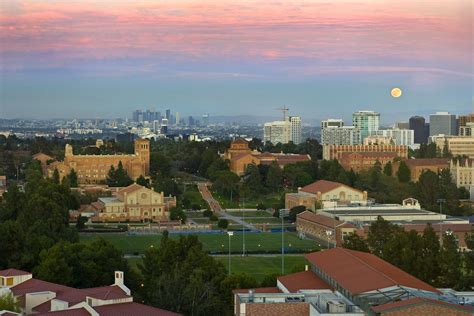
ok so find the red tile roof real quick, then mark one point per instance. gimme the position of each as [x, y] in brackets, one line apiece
[319, 219]
[417, 301]
[306, 280]
[131, 188]
[69, 312]
[13, 272]
[35, 285]
[427, 162]
[259, 290]
[360, 272]
[323, 186]
[132, 309]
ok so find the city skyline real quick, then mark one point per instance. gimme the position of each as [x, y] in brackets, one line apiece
[107, 58]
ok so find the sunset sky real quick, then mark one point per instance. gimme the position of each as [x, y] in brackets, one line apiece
[320, 58]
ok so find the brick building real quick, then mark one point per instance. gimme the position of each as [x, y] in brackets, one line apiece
[321, 192]
[418, 166]
[347, 282]
[363, 157]
[43, 298]
[93, 169]
[240, 156]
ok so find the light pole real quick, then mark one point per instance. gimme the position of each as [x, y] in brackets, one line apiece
[328, 234]
[334, 200]
[282, 214]
[229, 234]
[441, 202]
[243, 228]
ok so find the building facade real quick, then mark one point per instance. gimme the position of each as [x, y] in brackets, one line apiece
[462, 172]
[366, 122]
[332, 123]
[420, 165]
[457, 145]
[277, 132]
[295, 122]
[135, 203]
[443, 123]
[400, 136]
[467, 130]
[420, 129]
[344, 135]
[93, 169]
[323, 192]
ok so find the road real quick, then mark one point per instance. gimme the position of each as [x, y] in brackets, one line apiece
[216, 207]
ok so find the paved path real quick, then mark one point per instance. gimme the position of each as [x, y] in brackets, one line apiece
[216, 207]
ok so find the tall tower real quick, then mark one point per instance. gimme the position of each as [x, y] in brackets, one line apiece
[68, 150]
[142, 150]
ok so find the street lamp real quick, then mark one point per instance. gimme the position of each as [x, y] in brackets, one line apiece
[441, 202]
[229, 234]
[328, 234]
[243, 228]
[282, 214]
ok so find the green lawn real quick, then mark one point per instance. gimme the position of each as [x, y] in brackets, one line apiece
[269, 200]
[217, 243]
[256, 266]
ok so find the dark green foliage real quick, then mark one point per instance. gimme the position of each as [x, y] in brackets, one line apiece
[354, 242]
[207, 213]
[9, 303]
[223, 223]
[81, 222]
[177, 213]
[181, 277]
[143, 182]
[403, 173]
[387, 169]
[118, 177]
[295, 211]
[72, 178]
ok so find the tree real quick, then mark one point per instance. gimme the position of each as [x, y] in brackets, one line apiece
[142, 181]
[118, 177]
[450, 263]
[355, 242]
[72, 177]
[295, 211]
[403, 172]
[446, 152]
[177, 213]
[274, 177]
[429, 256]
[180, 276]
[380, 233]
[55, 177]
[9, 303]
[223, 223]
[387, 169]
[81, 222]
[261, 206]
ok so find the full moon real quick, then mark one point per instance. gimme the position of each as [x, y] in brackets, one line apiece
[396, 92]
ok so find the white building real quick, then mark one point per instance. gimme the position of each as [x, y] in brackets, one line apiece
[366, 122]
[332, 123]
[295, 122]
[443, 123]
[400, 136]
[277, 132]
[340, 135]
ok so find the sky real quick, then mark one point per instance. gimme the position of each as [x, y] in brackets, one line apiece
[320, 58]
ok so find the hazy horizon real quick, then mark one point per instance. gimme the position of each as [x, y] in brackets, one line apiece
[107, 58]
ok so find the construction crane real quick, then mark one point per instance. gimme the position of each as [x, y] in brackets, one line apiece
[284, 109]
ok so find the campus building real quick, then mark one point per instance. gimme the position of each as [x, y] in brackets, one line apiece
[457, 145]
[462, 172]
[363, 157]
[366, 122]
[135, 203]
[41, 298]
[399, 136]
[339, 135]
[346, 282]
[322, 192]
[420, 165]
[240, 156]
[93, 169]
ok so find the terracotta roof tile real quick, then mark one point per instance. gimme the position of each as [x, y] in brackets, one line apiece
[323, 186]
[132, 309]
[319, 219]
[306, 280]
[367, 272]
[416, 301]
[13, 272]
[69, 312]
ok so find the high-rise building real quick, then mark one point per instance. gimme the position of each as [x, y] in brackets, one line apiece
[164, 126]
[332, 123]
[168, 114]
[191, 121]
[399, 136]
[277, 132]
[295, 129]
[467, 130]
[420, 129]
[402, 125]
[205, 119]
[443, 123]
[340, 135]
[366, 122]
[136, 115]
[156, 126]
[177, 118]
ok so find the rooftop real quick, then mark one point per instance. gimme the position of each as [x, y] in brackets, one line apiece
[367, 272]
[306, 280]
[323, 186]
[13, 272]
